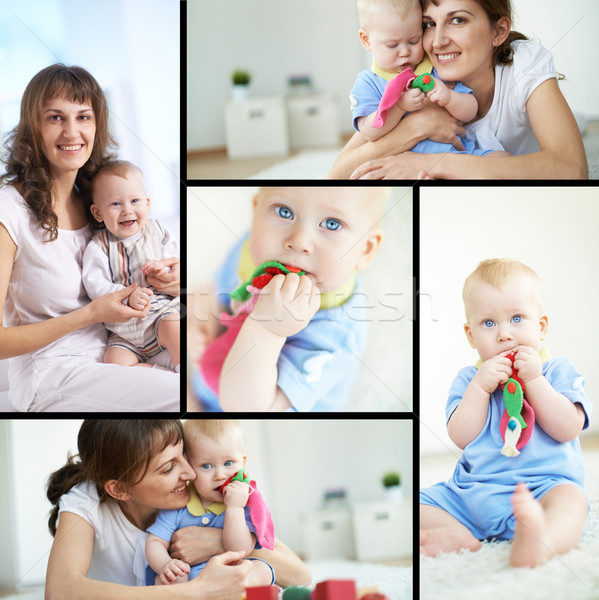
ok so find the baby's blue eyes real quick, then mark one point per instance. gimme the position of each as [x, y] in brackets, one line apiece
[284, 212]
[517, 319]
[331, 224]
[228, 463]
[207, 466]
[488, 323]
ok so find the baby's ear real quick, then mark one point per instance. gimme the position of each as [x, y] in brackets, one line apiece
[96, 213]
[468, 333]
[374, 239]
[364, 39]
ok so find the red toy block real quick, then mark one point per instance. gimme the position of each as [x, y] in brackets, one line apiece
[335, 589]
[262, 592]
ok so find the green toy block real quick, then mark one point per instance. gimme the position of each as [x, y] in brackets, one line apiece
[425, 82]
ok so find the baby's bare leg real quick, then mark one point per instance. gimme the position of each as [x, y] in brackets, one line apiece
[440, 532]
[169, 334]
[546, 527]
[120, 356]
[259, 575]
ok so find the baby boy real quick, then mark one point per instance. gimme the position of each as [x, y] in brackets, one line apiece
[533, 495]
[294, 348]
[129, 249]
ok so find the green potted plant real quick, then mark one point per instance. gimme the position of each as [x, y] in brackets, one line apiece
[392, 483]
[241, 82]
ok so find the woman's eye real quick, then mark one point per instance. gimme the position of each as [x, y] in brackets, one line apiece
[428, 25]
[488, 323]
[331, 224]
[284, 212]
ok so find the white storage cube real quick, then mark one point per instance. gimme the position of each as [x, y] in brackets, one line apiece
[313, 122]
[382, 530]
[256, 128]
[328, 534]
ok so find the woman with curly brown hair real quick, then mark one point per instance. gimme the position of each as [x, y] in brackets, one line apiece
[52, 332]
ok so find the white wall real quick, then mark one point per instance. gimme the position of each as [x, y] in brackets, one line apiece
[551, 229]
[292, 461]
[275, 39]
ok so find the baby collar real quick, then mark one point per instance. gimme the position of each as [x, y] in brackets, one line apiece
[196, 508]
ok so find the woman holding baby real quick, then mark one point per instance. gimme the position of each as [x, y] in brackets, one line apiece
[520, 106]
[126, 472]
[53, 334]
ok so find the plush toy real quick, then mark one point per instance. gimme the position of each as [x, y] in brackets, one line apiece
[518, 419]
[245, 298]
[259, 511]
[396, 87]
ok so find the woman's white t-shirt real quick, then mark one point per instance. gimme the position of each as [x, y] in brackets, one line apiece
[45, 282]
[507, 122]
[119, 546]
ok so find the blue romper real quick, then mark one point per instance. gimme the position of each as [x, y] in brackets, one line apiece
[478, 495]
[367, 93]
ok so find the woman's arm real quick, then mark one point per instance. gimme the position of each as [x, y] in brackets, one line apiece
[15, 341]
[430, 122]
[561, 154]
[70, 559]
[196, 544]
[289, 569]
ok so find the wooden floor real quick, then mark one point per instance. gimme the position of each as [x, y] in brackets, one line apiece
[216, 165]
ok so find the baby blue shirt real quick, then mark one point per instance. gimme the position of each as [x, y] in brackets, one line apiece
[478, 494]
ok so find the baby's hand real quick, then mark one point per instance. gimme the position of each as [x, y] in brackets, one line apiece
[287, 304]
[172, 569]
[411, 100]
[528, 363]
[139, 298]
[492, 372]
[236, 494]
[440, 94]
[154, 268]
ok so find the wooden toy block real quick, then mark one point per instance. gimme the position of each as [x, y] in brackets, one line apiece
[335, 589]
[262, 592]
[296, 593]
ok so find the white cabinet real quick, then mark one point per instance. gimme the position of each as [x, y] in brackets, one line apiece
[256, 128]
[328, 534]
[382, 530]
[313, 121]
[366, 531]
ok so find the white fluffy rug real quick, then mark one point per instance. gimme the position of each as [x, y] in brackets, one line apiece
[394, 582]
[487, 573]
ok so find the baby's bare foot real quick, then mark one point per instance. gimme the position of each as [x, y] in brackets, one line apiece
[446, 539]
[528, 547]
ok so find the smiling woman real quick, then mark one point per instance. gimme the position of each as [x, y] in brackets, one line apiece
[52, 332]
[520, 106]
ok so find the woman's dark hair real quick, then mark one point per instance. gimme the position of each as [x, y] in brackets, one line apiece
[27, 167]
[495, 9]
[119, 449]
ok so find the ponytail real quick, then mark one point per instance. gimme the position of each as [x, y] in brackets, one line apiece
[59, 483]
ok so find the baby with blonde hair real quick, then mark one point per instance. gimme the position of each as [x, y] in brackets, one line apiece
[531, 494]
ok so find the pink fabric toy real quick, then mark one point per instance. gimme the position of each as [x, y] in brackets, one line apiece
[393, 90]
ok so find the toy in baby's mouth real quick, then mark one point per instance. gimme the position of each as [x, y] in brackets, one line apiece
[244, 299]
[259, 511]
[518, 419]
[396, 87]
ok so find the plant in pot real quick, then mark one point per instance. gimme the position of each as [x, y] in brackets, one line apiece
[392, 483]
[241, 82]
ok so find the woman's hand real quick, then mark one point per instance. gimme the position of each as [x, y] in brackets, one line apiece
[109, 308]
[195, 545]
[168, 282]
[409, 165]
[224, 576]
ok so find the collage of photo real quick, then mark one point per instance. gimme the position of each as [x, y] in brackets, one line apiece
[382, 213]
